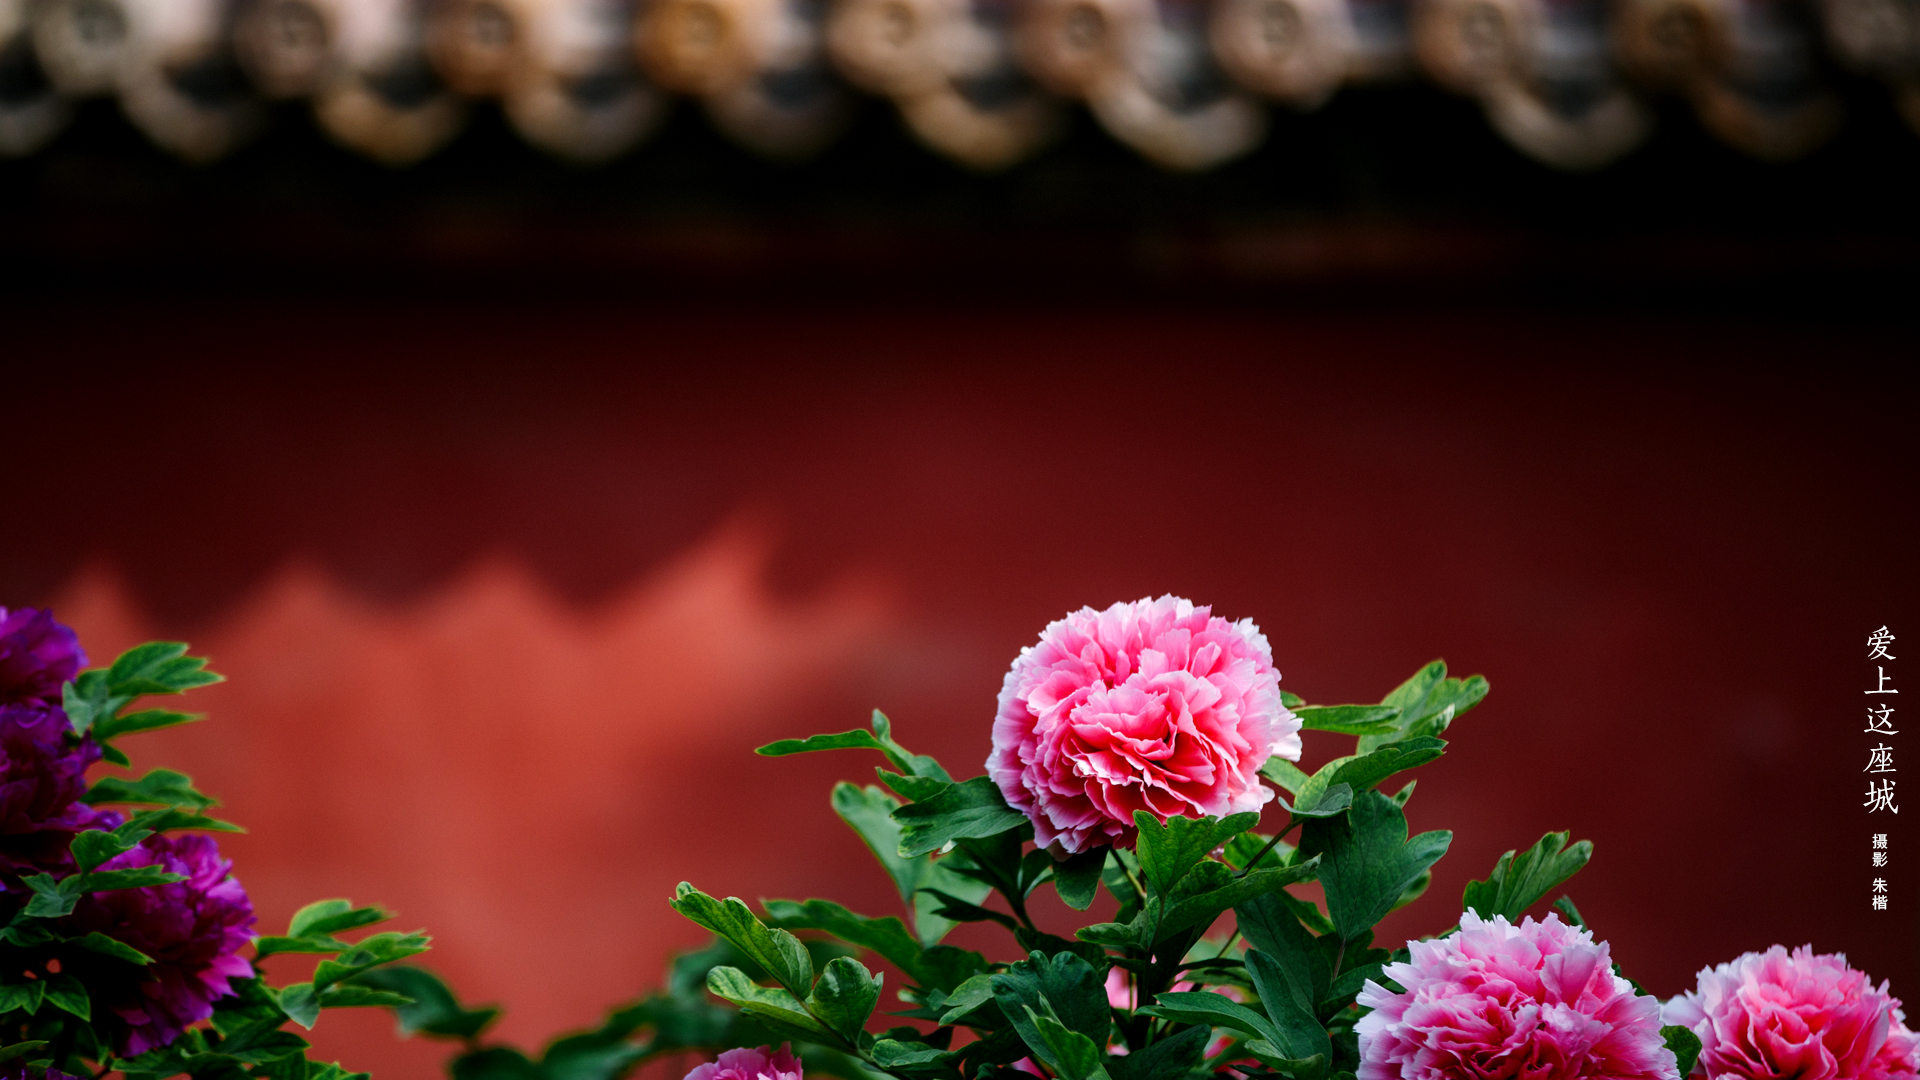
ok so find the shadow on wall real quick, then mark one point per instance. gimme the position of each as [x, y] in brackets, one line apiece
[496, 766]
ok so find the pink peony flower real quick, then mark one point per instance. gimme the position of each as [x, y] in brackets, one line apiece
[1537, 1001]
[1155, 705]
[1769, 1015]
[766, 1063]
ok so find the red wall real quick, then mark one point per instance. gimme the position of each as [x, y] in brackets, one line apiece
[508, 591]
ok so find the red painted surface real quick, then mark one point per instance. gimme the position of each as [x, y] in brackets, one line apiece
[507, 593]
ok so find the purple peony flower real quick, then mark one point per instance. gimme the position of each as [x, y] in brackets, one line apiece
[193, 929]
[42, 776]
[1537, 1001]
[766, 1063]
[37, 655]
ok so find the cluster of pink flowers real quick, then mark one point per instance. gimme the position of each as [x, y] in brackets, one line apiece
[1537, 1001]
[1155, 705]
[765, 1063]
[1780, 1014]
[193, 929]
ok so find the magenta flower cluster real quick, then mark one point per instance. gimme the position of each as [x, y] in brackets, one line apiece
[193, 929]
[1156, 705]
[764, 1063]
[1780, 1014]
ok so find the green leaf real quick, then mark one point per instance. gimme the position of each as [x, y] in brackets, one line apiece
[1367, 862]
[1271, 927]
[271, 946]
[1349, 719]
[1212, 1010]
[1203, 907]
[494, 1063]
[1072, 1055]
[161, 787]
[964, 811]
[159, 667]
[52, 899]
[87, 699]
[1272, 1057]
[958, 910]
[895, 1054]
[352, 996]
[1243, 849]
[95, 941]
[1170, 1058]
[301, 1003]
[333, 917]
[96, 846]
[776, 1008]
[968, 996]
[433, 1007]
[887, 936]
[1319, 801]
[869, 812]
[844, 998]
[912, 788]
[1685, 1046]
[1064, 987]
[169, 817]
[19, 1050]
[108, 727]
[1077, 877]
[65, 992]
[371, 952]
[1289, 1004]
[23, 995]
[1284, 773]
[1291, 700]
[880, 739]
[778, 952]
[1364, 772]
[138, 877]
[1517, 883]
[1428, 703]
[1169, 852]
[1571, 914]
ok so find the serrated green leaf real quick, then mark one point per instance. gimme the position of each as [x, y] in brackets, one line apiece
[1349, 719]
[1518, 882]
[1077, 877]
[301, 1003]
[160, 787]
[781, 954]
[1364, 772]
[1685, 1046]
[844, 997]
[887, 936]
[1428, 703]
[776, 1008]
[1367, 861]
[95, 941]
[966, 810]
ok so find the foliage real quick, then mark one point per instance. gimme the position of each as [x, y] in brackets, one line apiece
[48, 1013]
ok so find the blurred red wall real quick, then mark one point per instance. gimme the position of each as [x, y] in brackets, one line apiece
[507, 592]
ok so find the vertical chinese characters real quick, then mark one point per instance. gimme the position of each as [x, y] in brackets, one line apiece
[1880, 794]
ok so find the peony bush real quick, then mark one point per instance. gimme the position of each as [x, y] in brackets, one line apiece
[123, 932]
[1145, 752]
